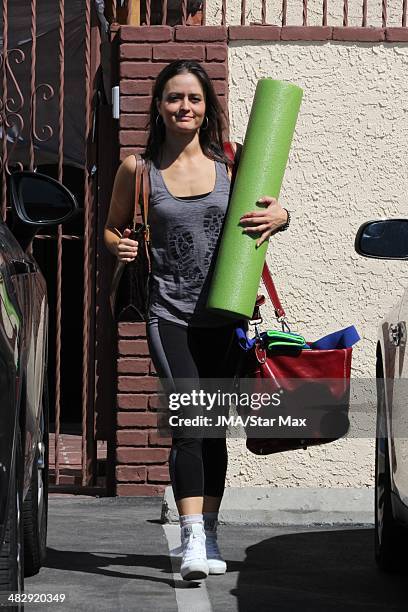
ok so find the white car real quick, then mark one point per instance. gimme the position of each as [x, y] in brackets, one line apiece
[388, 239]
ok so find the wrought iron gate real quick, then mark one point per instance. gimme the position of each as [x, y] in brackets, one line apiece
[49, 58]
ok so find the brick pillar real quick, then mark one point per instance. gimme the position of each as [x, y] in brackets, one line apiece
[141, 455]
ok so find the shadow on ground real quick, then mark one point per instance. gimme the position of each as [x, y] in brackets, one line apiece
[316, 572]
[102, 563]
[286, 569]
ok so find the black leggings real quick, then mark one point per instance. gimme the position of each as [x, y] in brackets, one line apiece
[197, 465]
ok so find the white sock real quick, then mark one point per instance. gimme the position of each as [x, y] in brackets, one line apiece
[189, 519]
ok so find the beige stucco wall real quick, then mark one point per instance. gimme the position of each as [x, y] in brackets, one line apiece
[348, 164]
[294, 12]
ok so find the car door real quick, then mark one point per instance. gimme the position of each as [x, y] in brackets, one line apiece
[10, 334]
[30, 294]
[397, 334]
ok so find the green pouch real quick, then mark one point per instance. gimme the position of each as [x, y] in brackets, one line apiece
[275, 339]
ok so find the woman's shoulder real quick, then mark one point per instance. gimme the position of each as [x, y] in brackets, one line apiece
[129, 162]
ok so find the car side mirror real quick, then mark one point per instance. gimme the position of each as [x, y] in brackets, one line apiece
[383, 239]
[38, 201]
[41, 200]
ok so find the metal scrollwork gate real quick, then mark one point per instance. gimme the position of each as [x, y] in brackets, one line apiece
[48, 63]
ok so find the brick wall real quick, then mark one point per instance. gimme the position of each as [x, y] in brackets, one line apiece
[141, 454]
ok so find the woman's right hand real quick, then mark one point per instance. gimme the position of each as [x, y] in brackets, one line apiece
[126, 249]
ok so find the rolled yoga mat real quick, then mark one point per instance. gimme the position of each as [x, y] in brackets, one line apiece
[264, 156]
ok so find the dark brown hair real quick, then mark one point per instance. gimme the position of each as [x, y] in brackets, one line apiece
[211, 136]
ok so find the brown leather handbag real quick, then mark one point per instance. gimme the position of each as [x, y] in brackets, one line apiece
[129, 295]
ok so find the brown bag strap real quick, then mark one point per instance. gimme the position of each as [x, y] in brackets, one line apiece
[142, 185]
[140, 182]
[146, 198]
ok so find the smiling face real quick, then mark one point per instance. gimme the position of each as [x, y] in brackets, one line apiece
[182, 106]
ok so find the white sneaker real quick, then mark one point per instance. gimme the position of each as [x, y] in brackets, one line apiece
[194, 564]
[216, 563]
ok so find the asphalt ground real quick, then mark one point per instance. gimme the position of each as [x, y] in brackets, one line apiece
[112, 554]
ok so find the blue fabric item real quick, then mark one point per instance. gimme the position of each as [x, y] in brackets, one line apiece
[344, 338]
[245, 343]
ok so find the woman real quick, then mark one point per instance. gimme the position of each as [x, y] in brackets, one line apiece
[189, 195]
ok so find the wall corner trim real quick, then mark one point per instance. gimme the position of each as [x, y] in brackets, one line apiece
[396, 34]
[274, 33]
[254, 32]
[359, 34]
[306, 33]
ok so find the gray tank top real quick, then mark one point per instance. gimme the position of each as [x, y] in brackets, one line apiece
[184, 242]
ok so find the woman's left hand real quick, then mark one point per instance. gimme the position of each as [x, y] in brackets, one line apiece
[264, 221]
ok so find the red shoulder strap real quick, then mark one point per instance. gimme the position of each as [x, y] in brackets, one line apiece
[272, 292]
[266, 274]
[229, 151]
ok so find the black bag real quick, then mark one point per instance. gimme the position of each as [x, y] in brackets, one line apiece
[129, 296]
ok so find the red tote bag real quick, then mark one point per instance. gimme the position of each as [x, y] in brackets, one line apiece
[313, 381]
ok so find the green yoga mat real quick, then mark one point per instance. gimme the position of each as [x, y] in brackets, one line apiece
[264, 156]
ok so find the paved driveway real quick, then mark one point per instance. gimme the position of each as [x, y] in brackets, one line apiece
[112, 554]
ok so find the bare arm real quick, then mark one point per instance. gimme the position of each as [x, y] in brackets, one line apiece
[121, 212]
[265, 222]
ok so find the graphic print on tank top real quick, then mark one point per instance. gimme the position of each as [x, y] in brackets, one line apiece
[183, 249]
[186, 235]
[213, 219]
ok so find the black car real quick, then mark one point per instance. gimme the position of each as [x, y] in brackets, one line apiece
[36, 201]
[388, 239]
